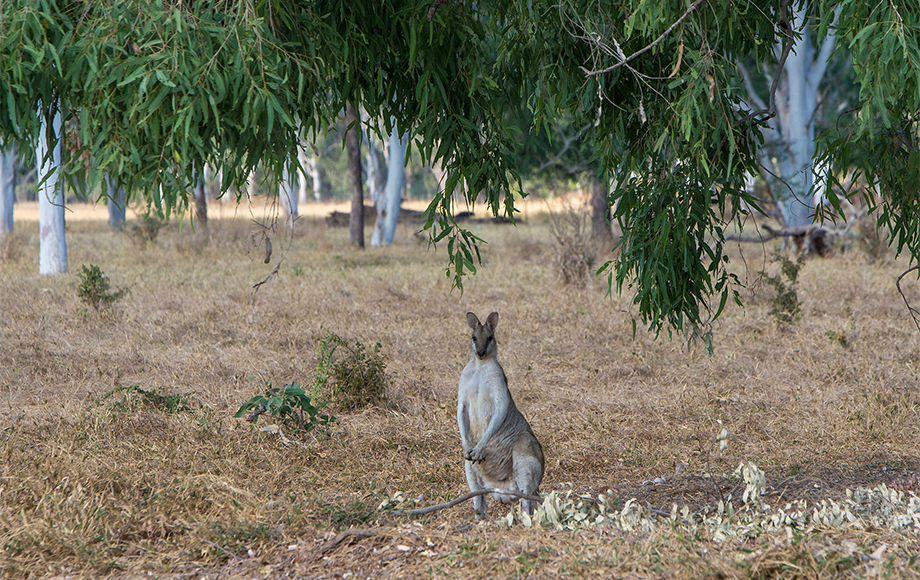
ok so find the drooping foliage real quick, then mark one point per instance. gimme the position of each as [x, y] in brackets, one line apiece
[155, 90]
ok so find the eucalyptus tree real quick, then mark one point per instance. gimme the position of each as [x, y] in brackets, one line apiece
[390, 198]
[7, 187]
[52, 254]
[115, 203]
[788, 154]
[162, 87]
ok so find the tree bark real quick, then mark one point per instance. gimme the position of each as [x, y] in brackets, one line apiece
[304, 159]
[7, 187]
[287, 197]
[601, 232]
[52, 255]
[356, 179]
[792, 139]
[201, 203]
[116, 204]
[391, 198]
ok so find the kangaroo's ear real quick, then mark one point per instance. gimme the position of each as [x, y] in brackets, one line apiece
[492, 321]
[472, 320]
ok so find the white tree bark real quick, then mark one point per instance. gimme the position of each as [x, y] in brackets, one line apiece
[316, 177]
[376, 174]
[7, 187]
[52, 255]
[287, 197]
[391, 199]
[791, 143]
[201, 201]
[303, 189]
[116, 204]
[253, 187]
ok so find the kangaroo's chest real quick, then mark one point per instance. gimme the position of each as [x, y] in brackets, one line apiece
[480, 388]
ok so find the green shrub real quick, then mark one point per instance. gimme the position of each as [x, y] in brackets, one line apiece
[288, 405]
[95, 289]
[786, 307]
[352, 376]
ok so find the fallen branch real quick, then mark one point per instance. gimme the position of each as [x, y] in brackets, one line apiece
[461, 499]
[356, 533]
[472, 494]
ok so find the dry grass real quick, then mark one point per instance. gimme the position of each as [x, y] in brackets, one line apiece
[116, 487]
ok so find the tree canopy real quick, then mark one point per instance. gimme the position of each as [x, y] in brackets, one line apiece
[154, 90]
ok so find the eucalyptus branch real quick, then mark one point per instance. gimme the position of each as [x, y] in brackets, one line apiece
[914, 313]
[565, 147]
[770, 112]
[657, 41]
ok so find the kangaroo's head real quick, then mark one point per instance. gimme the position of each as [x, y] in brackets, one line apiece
[483, 335]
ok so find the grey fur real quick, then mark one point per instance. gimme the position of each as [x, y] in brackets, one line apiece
[499, 447]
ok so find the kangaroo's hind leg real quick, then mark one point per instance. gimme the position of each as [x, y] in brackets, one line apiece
[475, 482]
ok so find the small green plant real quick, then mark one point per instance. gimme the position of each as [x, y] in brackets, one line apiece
[786, 307]
[178, 403]
[95, 289]
[353, 376]
[289, 405]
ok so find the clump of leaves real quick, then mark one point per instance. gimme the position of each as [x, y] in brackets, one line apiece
[178, 403]
[575, 254]
[786, 307]
[95, 289]
[145, 229]
[288, 405]
[354, 376]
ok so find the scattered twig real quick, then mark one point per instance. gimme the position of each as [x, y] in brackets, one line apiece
[657, 41]
[914, 313]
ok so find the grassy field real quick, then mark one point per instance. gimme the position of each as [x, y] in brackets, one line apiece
[97, 480]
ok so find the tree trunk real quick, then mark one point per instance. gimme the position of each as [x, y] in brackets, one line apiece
[391, 199]
[600, 216]
[201, 203]
[7, 187]
[376, 175]
[304, 160]
[356, 180]
[316, 177]
[253, 187]
[792, 141]
[52, 255]
[116, 204]
[287, 197]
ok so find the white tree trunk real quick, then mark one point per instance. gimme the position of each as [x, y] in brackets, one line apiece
[7, 187]
[391, 199]
[52, 255]
[201, 201]
[253, 188]
[316, 177]
[303, 192]
[116, 204]
[792, 142]
[287, 197]
[376, 174]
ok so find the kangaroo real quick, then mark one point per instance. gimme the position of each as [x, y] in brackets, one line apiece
[499, 447]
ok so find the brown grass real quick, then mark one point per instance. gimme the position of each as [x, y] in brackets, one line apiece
[93, 487]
